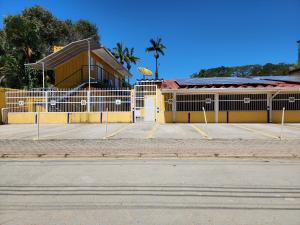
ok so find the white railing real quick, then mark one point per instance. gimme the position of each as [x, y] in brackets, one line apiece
[96, 100]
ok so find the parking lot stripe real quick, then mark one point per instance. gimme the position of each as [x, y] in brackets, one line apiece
[199, 130]
[289, 126]
[152, 132]
[117, 131]
[255, 131]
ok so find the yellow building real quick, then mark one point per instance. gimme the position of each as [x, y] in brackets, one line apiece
[83, 63]
[88, 81]
[232, 100]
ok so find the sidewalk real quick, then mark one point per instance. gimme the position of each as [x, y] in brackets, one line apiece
[149, 148]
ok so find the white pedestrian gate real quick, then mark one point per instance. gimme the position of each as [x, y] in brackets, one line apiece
[141, 91]
[149, 108]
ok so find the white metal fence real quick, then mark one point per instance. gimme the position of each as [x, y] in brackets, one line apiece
[243, 102]
[289, 101]
[194, 102]
[96, 100]
[231, 102]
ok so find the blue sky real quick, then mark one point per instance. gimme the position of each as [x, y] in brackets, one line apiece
[198, 34]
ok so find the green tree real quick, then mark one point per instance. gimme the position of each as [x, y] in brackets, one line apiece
[158, 48]
[30, 36]
[244, 71]
[130, 58]
[120, 53]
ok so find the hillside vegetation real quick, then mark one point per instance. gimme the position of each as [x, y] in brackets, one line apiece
[244, 71]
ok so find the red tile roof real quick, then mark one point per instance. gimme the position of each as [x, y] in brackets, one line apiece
[172, 84]
[169, 84]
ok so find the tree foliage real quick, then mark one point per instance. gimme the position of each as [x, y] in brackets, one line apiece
[124, 55]
[244, 71]
[30, 36]
[158, 48]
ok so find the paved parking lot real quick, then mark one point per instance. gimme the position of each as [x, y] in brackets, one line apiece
[152, 131]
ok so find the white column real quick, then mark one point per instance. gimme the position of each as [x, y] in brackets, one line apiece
[132, 104]
[43, 66]
[269, 105]
[89, 63]
[174, 108]
[217, 108]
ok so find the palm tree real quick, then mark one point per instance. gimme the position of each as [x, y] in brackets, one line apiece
[130, 58]
[158, 48]
[119, 52]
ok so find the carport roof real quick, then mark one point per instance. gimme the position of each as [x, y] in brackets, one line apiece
[221, 81]
[174, 85]
[74, 48]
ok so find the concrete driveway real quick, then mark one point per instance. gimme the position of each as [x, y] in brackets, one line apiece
[152, 131]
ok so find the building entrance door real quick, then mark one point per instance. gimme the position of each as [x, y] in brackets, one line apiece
[149, 108]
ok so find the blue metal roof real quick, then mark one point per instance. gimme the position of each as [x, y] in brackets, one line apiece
[220, 81]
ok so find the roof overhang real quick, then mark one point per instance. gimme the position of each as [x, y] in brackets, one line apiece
[65, 54]
[230, 90]
[106, 55]
[53, 60]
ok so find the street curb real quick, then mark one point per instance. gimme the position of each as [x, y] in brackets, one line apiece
[142, 155]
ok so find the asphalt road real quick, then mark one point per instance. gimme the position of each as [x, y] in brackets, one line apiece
[153, 191]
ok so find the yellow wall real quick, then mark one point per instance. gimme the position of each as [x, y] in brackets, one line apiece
[62, 118]
[166, 117]
[289, 116]
[74, 65]
[195, 117]
[2, 100]
[106, 67]
[118, 117]
[222, 117]
[53, 118]
[234, 117]
[68, 68]
[248, 117]
[21, 117]
[198, 117]
[94, 117]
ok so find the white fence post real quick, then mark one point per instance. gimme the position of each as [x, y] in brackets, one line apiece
[46, 100]
[132, 104]
[174, 107]
[38, 123]
[216, 106]
[88, 101]
[106, 128]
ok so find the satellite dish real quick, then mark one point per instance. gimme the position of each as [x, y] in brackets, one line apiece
[144, 71]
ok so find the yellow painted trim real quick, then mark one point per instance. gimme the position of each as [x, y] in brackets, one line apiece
[21, 118]
[248, 117]
[290, 116]
[117, 131]
[53, 118]
[255, 131]
[92, 117]
[200, 131]
[152, 132]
